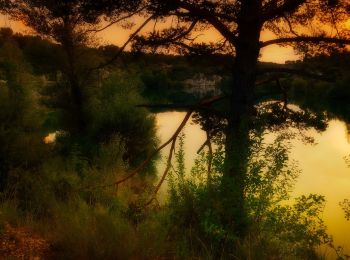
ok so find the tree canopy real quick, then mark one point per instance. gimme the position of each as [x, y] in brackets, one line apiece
[309, 25]
[302, 22]
[52, 18]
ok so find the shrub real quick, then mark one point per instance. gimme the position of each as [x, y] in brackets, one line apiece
[279, 228]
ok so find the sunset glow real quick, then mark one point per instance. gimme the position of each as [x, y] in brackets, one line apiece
[347, 24]
[118, 36]
[155, 129]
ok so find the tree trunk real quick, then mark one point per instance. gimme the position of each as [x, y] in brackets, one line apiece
[71, 71]
[77, 103]
[237, 132]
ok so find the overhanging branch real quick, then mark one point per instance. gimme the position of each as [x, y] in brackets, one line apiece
[171, 140]
[116, 56]
[204, 103]
[221, 27]
[173, 36]
[139, 169]
[116, 21]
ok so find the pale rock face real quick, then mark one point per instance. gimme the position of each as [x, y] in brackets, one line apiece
[200, 85]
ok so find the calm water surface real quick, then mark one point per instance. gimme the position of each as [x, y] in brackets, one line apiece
[324, 170]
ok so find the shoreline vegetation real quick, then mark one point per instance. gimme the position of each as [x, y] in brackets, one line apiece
[59, 200]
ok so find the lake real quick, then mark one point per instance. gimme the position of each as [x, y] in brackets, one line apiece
[324, 169]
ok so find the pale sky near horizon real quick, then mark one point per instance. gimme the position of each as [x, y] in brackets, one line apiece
[118, 36]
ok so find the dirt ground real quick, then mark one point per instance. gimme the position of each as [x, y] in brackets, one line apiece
[22, 243]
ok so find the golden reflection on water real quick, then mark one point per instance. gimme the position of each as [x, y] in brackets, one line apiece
[347, 24]
[167, 123]
[324, 170]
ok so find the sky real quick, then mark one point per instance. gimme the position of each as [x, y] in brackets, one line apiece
[272, 53]
[118, 36]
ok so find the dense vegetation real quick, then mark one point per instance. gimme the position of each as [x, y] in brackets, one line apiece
[60, 183]
[63, 189]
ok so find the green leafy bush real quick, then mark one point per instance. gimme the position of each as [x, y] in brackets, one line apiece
[279, 227]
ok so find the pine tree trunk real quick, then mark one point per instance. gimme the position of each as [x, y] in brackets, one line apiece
[77, 100]
[239, 121]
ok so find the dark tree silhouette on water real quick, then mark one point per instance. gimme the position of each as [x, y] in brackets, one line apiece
[311, 26]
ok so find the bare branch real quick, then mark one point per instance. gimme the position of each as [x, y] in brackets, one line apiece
[116, 56]
[142, 166]
[212, 19]
[210, 155]
[147, 161]
[165, 173]
[174, 35]
[172, 140]
[203, 146]
[172, 149]
[116, 21]
[290, 26]
[203, 104]
[170, 156]
[210, 158]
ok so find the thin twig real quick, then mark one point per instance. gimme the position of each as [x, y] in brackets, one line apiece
[171, 140]
[165, 173]
[204, 103]
[116, 56]
[171, 152]
[210, 155]
[149, 158]
[210, 158]
[116, 21]
[202, 146]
